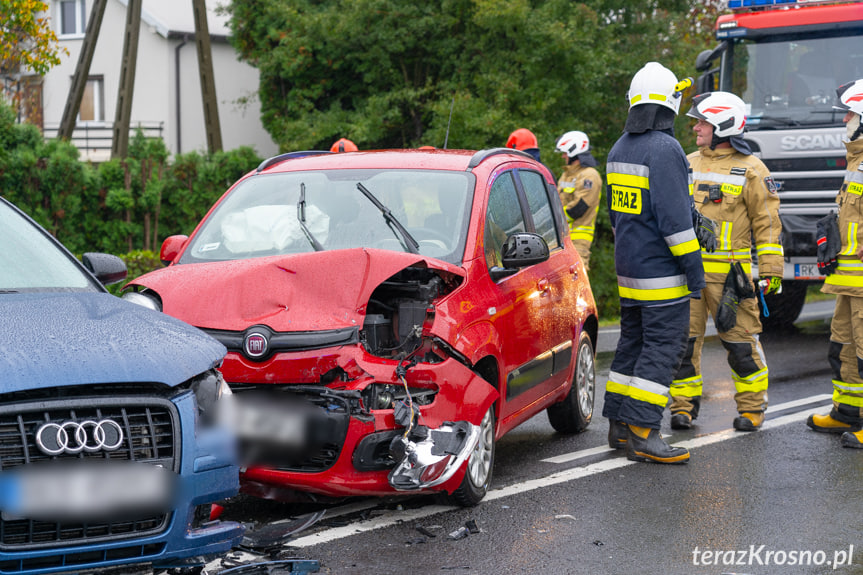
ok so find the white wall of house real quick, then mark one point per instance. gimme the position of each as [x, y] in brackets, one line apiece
[155, 99]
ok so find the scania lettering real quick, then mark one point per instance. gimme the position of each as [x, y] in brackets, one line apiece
[786, 58]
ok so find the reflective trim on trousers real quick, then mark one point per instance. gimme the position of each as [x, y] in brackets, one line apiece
[754, 383]
[648, 391]
[689, 387]
[848, 393]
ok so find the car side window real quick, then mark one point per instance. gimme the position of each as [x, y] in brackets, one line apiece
[502, 218]
[540, 207]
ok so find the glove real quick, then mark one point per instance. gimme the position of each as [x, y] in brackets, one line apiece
[742, 281]
[829, 243]
[770, 284]
[726, 313]
[705, 231]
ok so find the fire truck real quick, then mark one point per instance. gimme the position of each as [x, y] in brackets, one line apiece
[785, 59]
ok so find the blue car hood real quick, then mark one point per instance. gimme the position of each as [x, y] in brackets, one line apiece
[61, 339]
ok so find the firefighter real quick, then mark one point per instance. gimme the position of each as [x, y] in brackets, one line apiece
[524, 140]
[845, 279]
[658, 264]
[343, 145]
[579, 188]
[735, 189]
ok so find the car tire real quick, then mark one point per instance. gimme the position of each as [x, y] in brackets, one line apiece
[574, 412]
[479, 466]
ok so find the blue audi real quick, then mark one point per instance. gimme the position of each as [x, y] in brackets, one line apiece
[111, 455]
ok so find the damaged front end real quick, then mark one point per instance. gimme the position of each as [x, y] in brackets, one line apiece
[388, 409]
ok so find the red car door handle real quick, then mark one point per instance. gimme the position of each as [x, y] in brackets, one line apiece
[573, 269]
[542, 284]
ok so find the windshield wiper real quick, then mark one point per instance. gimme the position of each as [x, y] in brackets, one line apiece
[301, 216]
[409, 242]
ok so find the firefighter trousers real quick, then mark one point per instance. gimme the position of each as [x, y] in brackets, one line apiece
[745, 356]
[846, 359]
[652, 341]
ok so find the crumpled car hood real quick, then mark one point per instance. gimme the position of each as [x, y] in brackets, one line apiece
[62, 339]
[301, 292]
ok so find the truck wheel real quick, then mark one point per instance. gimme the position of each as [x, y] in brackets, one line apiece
[477, 477]
[574, 412]
[784, 308]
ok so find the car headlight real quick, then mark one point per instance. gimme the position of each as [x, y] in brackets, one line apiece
[143, 299]
[209, 388]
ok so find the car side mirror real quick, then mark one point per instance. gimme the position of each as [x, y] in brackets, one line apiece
[172, 246]
[523, 249]
[108, 268]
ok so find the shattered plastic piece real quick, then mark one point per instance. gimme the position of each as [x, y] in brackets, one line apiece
[598, 543]
[565, 516]
[472, 526]
[286, 567]
[277, 533]
[459, 533]
[425, 531]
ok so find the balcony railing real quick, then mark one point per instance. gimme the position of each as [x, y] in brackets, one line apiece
[94, 140]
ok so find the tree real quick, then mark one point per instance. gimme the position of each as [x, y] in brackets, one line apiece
[27, 41]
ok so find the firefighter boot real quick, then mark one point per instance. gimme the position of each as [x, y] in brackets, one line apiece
[617, 434]
[827, 424]
[646, 444]
[749, 421]
[854, 439]
[681, 420]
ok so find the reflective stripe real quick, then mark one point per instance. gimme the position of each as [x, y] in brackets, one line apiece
[848, 393]
[627, 168]
[635, 99]
[753, 383]
[843, 280]
[618, 383]
[658, 97]
[725, 236]
[648, 391]
[850, 264]
[683, 242]
[727, 255]
[769, 249]
[628, 180]
[723, 267]
[689, 387]
[852, 240]
[647, 289]
[719, 178]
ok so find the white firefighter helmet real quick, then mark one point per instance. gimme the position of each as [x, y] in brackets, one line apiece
[851, 97]
[573, 143]
[723, 110]
[656, 84]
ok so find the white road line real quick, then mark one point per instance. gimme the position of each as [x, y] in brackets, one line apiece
[573, 455]
[531, 484]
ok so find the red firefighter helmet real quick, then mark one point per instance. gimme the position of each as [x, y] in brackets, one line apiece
[344, 145]
[522, 139]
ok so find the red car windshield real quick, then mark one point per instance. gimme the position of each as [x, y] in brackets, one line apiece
[298, 212]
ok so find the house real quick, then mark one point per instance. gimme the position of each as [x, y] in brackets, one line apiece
[167, 98]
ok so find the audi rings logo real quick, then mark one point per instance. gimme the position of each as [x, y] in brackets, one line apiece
[73, 437]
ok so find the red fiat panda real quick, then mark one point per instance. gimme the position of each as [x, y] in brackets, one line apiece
[388, 315]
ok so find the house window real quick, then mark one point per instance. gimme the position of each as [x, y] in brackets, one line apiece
[71, 15]
[92, 104]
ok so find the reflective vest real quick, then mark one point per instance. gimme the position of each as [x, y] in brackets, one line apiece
[848, 278]
[656, 253]
[580, 183]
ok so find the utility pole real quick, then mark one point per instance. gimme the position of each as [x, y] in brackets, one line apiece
[208, 85]
[122, 118]
[82, 71]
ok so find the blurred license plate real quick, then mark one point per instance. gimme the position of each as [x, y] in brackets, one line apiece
[79, 491]
[807, 271]
[275, 421]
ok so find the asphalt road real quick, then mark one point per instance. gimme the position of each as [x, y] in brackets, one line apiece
[783, 500]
